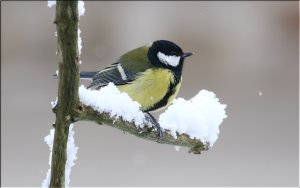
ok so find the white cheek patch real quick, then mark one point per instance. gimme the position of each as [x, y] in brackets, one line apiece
[172, 60]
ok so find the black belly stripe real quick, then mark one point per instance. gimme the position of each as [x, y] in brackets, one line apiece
[165, 99]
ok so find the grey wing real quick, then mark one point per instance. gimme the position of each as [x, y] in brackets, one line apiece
[115, 73]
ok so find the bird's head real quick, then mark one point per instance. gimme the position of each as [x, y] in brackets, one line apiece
[163, 53]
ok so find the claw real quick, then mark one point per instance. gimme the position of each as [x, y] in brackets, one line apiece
[156, 124]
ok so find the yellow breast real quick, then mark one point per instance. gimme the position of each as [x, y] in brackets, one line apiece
[151, 87]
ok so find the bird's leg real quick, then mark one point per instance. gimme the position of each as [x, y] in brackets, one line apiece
[156, 124]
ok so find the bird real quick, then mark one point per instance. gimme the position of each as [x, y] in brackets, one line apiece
[150, 74]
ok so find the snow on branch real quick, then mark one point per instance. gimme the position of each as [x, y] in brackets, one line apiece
[193, 123]
[81, 11]
[110, 99]
[199, 117]
[71, 153]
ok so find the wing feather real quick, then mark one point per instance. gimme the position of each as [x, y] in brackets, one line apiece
[112, 74]
[128, 67]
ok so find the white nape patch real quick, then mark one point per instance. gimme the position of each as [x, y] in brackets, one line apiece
[172, 60]
[150, 44]
[122, 72]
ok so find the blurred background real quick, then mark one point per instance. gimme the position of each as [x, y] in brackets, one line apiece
[245, 52]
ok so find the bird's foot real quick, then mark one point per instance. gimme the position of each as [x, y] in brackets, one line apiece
[156, 124]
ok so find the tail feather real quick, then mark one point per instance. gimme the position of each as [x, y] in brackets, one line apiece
[83, 75]
[87, 74]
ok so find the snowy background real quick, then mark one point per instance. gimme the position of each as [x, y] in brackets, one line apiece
[246, 52]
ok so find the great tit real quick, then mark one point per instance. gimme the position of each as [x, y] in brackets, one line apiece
[150, 75]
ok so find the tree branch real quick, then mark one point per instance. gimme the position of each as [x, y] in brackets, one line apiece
[67, 27]
[87, 113]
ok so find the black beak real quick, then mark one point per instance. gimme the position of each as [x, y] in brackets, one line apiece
[187, 54]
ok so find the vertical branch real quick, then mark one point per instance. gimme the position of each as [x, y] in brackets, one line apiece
[67, 27]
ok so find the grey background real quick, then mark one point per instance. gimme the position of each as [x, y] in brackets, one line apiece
[242, 48]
